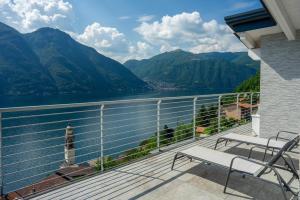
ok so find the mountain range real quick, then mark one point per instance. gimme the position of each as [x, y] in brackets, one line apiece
[48, 62]
[177, 70]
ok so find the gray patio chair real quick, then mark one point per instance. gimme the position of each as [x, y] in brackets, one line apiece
[271, 143]
[245, 166]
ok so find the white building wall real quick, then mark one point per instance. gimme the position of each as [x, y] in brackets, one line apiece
[280, 84]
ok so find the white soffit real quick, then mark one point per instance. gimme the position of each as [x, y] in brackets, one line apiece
[293, 9]
[254, 54]
[257, 33]
[283, 15]
[247, 40]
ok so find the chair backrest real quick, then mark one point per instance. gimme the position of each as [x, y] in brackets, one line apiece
[285, 148]
[288, 146]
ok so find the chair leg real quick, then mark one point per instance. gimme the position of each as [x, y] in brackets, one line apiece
[265, 154]
[281, 187]
[227, 180]
[175, 158]
[273, 152]
[217, 143]
[250, 152]
[291, 165]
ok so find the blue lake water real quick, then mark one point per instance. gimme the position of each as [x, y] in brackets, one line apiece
[33, 148]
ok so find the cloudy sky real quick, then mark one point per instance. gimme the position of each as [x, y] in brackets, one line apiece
[133, 29]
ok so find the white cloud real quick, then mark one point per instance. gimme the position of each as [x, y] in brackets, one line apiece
[104, 39]
[28, 15]
[188, 31]
[169, 27]
[146, 18]
[211, 26]
[167, 47]
[140, 50]
[112, 43]
[242, 5]
[124, 17]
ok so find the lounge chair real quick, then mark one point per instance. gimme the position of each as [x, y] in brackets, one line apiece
[272, 143]
[247, 167]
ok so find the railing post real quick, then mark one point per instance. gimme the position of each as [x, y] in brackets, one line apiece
[237, 103]
[1, 156]
[194, 116]
[101, 137]
[251, 103]
[219, 113]
[158, 125]
[237, 106]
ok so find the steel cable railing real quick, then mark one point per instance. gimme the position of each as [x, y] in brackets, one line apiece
[35, 141]
[83, 148]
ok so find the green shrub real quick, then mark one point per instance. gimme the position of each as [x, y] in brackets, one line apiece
[183, 131]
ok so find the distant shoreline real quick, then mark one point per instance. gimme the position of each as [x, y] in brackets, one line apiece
[16, 101]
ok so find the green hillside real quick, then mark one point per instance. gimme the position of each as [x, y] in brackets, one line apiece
[250, 85]
[184, 70]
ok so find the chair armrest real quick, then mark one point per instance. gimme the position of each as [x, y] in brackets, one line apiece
[276, 138]
[262, 147]
[250, 160]
[265, 165]
[273, 137]
[289, 132]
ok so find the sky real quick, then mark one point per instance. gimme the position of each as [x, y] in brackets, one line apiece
[133, 29]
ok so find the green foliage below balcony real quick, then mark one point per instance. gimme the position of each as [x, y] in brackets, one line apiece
[250, 85]
[206, 117]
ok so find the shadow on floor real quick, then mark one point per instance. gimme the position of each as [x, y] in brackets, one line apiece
[259, 155]
[247, 188]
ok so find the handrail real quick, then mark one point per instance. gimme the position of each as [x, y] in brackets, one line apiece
[74, 105]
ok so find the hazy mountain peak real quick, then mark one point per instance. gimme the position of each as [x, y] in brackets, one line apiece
[4, 27]
[177, 51]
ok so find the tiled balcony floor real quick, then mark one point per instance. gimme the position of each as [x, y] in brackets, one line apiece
[152, 179]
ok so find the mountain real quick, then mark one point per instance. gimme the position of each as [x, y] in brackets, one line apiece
[216, 71]
[48, 61]
[20, 69]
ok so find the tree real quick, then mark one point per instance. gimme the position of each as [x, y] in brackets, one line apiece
[213, 128]
[168, 132]
[212, 112]
[250, 85]
[183, 132]
[202, 118]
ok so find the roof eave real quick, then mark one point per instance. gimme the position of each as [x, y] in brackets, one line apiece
[251, 20]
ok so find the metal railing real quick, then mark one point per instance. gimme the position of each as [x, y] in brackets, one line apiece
[34, 145]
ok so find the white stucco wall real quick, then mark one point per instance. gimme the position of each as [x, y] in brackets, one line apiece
[280, 84]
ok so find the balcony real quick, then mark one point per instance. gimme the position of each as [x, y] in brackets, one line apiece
[152, 178]
[124, 149]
